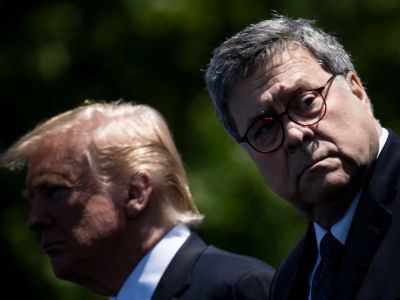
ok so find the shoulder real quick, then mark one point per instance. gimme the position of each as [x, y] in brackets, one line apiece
[199, 271]
[235, 264]
[240, 276]
[209, 257]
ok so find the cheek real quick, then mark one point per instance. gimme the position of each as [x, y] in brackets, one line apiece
[360, 144]
[274, 170]
[99, 221]
[351, 124]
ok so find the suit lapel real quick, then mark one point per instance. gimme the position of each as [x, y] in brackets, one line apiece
[177, 277]
[365, 236]
[294, 273]
[300, 288]
[370, 222]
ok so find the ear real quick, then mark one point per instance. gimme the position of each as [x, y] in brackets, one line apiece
[139, 192]
[358, 90]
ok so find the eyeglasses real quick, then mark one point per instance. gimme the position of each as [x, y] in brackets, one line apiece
[266, 134]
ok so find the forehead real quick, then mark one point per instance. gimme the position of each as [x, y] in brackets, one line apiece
[57, 158]
[268, 87]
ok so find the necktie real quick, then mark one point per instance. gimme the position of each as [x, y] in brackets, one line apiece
[331, 251]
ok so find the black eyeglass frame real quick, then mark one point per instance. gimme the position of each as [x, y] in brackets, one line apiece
[278, 117]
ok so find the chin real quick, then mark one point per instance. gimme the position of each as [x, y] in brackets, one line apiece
[62, 267]
[72, 270]
[326, 187]
[61, 273]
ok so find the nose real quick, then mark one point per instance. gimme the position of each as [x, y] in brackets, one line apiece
[39, 218]
[296, 135]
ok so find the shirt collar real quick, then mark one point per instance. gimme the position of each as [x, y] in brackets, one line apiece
[382, 140]
[341, 228]
[142, 282]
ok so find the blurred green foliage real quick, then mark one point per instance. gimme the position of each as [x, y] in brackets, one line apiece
[56, 54]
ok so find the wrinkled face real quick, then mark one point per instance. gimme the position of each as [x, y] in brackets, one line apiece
[320, 167]
[79, 223]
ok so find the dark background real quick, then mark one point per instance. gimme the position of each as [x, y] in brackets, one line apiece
[56, 54]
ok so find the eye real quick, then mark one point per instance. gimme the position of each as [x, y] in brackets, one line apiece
[57, 192]
[308, 100]
[304, 99]
[263, 128]
[306, 104]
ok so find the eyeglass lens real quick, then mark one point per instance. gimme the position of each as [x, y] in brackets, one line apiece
[306, 108]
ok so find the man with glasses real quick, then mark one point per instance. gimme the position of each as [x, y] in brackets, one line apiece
[288, 93]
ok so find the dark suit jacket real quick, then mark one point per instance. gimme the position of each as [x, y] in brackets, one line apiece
[204, 272]
[371, 265]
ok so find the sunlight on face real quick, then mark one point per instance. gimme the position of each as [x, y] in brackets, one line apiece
[78, 221]
[317, 164]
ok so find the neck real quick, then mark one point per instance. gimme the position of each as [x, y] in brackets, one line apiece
[329, 214]
[107, 277]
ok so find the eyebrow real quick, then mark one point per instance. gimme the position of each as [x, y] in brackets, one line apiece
[299, 86]
[43, 180]
[254, 118]
[49, 178]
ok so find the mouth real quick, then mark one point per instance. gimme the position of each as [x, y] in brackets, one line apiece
[51, 247]
[313, 163]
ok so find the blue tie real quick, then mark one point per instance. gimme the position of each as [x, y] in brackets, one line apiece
[331, 251]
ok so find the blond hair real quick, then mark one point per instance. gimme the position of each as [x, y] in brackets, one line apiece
[121, 141]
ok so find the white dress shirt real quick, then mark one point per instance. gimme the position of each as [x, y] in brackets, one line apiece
[341, 228]
[142, 282]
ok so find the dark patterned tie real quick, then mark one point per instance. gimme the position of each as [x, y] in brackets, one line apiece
[331, 251]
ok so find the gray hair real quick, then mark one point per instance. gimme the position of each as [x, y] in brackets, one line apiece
[122, 140]
[254, 46]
